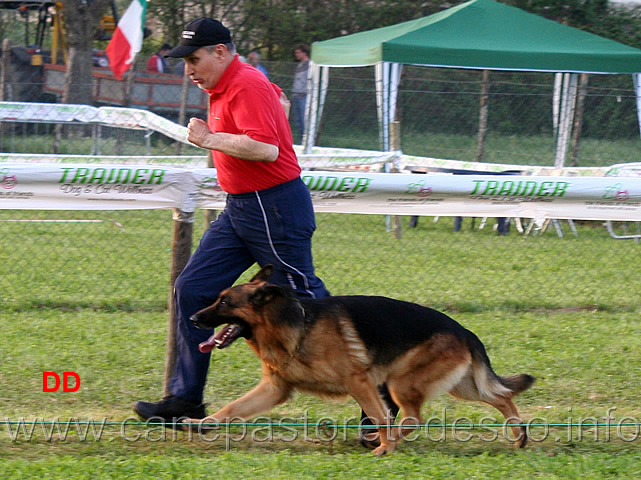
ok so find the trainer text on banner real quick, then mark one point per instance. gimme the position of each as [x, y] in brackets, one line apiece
[121, 187]
[94, 187]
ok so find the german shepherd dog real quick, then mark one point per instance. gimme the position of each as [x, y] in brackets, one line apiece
[349, 345]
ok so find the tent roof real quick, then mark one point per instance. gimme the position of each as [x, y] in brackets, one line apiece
[482, 34]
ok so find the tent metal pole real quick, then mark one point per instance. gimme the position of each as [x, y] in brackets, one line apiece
[324, 82]
[382, 103]
[311, 107]
[395, 80]
[556, 102]
[636, 79]
[568, 101]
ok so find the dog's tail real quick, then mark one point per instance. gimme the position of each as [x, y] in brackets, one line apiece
[517, 383]
[488, 383]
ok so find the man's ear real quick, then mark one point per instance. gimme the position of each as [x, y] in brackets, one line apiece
[264, 295]
[264, 274]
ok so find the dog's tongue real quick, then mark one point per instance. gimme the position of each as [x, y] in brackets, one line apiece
[220, 339]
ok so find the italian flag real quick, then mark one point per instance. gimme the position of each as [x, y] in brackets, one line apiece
[126, 40]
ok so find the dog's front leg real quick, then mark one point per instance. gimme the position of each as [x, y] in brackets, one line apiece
[367, 396]
[266, 395]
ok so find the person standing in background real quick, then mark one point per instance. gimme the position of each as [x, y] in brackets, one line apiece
[254, 59]
[299, 90]
[157, 63]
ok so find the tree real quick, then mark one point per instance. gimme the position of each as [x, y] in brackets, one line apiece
[81, 19]
[581, 14]
[173, 15]
[276, 27]
[279, 25]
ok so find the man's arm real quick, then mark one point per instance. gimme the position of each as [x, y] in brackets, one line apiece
[239, 146]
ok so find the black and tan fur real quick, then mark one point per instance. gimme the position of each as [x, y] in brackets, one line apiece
[349, 345]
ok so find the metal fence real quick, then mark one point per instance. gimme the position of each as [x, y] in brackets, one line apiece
[53, 259]
[121, 261]
[438, 110]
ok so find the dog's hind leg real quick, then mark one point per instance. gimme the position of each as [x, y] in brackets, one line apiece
[410, 400]
[467, 389]
[410, 391]
[506, 406]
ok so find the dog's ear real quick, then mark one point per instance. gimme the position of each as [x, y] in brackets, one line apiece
[263, 295]
[264, 274]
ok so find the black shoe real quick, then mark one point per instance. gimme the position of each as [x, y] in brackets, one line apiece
[171, 410]
[369, 438]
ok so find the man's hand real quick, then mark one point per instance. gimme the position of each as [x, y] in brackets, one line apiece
[198, 131]
[239, 146]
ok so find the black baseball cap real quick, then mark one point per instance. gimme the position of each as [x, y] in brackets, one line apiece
[199, 33]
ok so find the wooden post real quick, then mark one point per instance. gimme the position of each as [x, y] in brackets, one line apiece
[395, 145]
[128, 85]
[483, 114]
[210, 215]
[181, 249]
[127, 88]
[6, 52]
[182, 113]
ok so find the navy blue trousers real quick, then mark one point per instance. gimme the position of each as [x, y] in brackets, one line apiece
[273, 226]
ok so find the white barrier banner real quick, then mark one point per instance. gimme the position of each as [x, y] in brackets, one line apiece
[538, 197]
[121, 187]
[114, 116]
[94, 187]
[46, 112]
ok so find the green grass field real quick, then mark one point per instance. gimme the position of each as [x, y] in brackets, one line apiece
[91, 299]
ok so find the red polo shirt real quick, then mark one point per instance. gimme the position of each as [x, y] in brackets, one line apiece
[245, 102]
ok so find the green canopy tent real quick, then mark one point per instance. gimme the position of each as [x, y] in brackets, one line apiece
[479, 34]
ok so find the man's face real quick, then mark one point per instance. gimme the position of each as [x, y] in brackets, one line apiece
[205, 68]
[300, 55]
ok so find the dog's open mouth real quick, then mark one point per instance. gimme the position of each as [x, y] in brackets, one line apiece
[222, 338]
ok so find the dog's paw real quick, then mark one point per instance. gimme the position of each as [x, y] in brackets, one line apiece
[380, 451]
[200, 424]
[522, 441]
[385, 448]
[190, 424]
